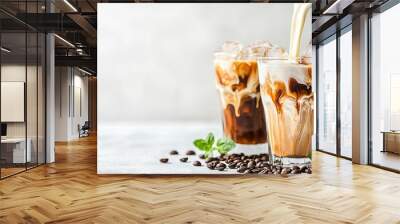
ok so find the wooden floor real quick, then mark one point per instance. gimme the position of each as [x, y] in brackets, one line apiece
[70, 191]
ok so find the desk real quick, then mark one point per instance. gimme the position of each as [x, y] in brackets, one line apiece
[391, 141]
[16, 147]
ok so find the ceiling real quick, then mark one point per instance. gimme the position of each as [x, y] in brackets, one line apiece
[75, 22]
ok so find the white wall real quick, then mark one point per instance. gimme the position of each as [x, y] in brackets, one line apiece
[155, 61]
[69, 81]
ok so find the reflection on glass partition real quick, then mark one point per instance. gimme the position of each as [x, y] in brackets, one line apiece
[15, 152]
[346, 94]
[31, 100]
[22, 95]
[385, 89]
[326, 97]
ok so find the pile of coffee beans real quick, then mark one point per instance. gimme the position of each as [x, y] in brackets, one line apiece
[253, 164]
[246, 164]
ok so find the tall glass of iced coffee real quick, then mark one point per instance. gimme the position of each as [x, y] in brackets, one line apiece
[238, 85]
[288, 103]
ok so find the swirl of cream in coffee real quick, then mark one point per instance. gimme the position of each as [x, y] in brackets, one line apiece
[237, 73]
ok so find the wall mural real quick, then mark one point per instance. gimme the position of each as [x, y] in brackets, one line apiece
[205, 89]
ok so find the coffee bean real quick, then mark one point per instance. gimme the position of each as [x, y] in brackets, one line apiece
[184, 159]
[303, 167]
[256, 160]
[196, 163]
[263, 171]
[202, 156]
[213, 163]
[276, 172]
[211, 166]
[173, 152]
[256, 170]
[220, 165]
[265, 164]
[232, 165]
[285, 171]
[295, 167]
[242, 169]
[164, 160]
[190, 153]
[309, 171]
[251, 165]
[259, 165]
[295, 171]
[264, 158]
[220, 168]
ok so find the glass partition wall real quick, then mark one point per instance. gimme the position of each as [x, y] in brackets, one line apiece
[385, 90]
[326, 96]
[334, 94]
[22, 89]
[345, 61]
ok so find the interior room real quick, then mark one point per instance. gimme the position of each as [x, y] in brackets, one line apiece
[54, 86]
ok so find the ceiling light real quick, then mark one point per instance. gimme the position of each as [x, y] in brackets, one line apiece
[84, 71]
[70, 5]
[5, 50]
[65, 41]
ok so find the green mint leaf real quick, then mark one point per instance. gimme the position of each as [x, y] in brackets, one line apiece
[310, 155]
[224, 145]
[201, 144]
[210, 139]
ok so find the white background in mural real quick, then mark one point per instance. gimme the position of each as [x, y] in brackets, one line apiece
[156, 86]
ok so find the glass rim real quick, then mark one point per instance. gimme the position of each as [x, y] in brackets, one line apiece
[300, 59]
[258, 57]
[281, 57]
[232, 56]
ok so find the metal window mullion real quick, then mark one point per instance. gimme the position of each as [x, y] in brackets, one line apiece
[338, 95]
[26, 88]
[317, 97]
[369, 96]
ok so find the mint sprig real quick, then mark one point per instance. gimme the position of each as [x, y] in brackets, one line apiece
[208, 145]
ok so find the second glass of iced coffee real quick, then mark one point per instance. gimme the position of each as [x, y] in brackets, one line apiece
[289, 108]
[237, 81]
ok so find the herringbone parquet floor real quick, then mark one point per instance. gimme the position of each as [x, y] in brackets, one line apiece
[70, 191]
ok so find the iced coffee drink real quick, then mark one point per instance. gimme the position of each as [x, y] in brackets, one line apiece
[288, 101]
[238, 85]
